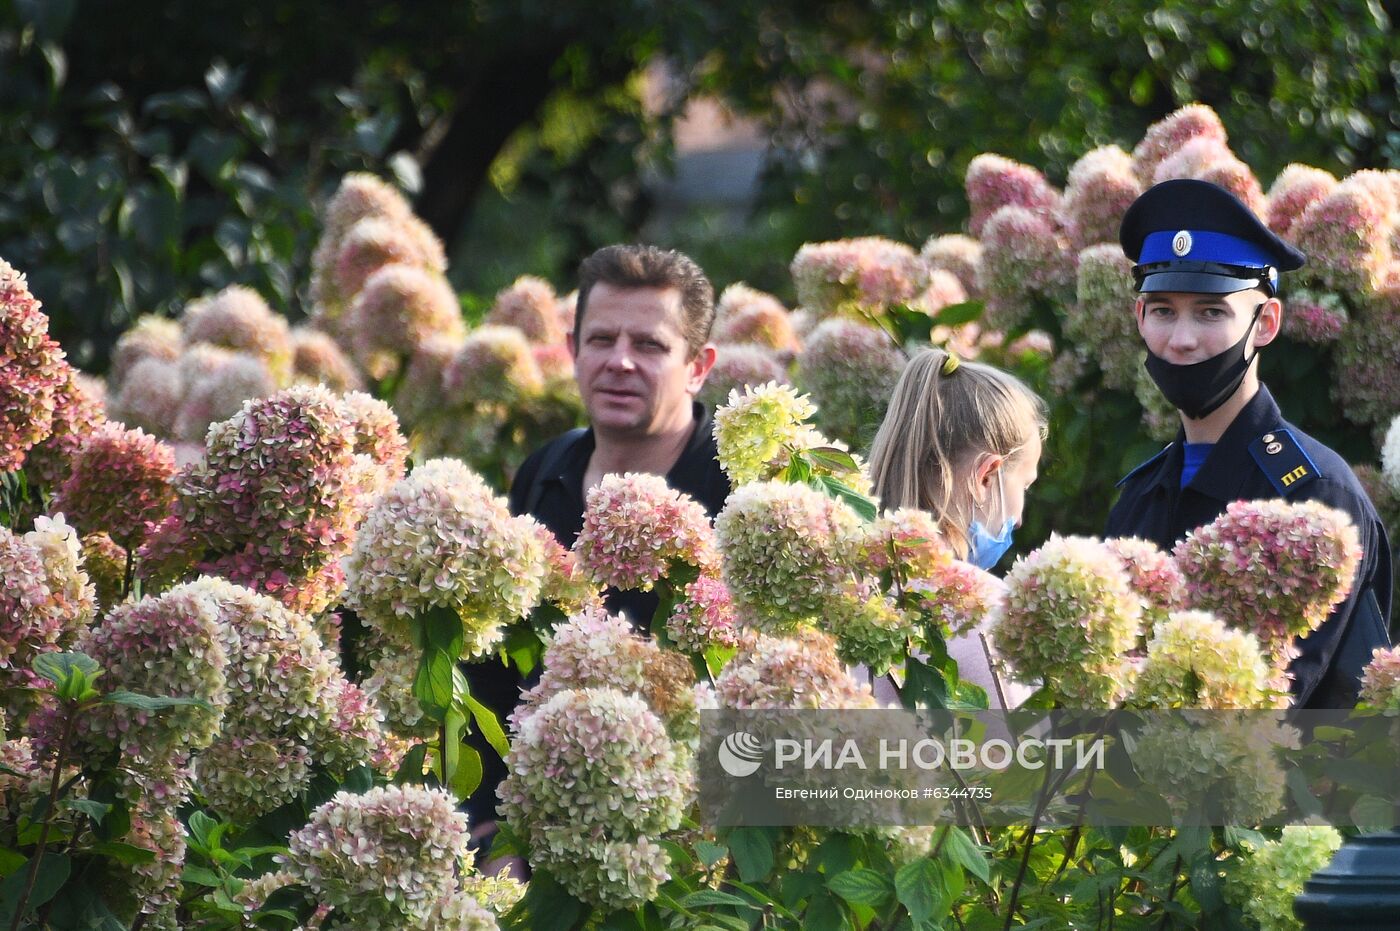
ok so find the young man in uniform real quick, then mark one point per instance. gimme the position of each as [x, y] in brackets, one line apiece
[1207, 272]
[641, 353]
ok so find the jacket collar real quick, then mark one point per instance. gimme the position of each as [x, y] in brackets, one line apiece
[573, 465]
[1227, 469]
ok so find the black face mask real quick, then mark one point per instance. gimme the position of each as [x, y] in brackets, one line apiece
[1201, 387]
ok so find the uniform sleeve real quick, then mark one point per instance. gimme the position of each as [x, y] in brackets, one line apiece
[1328, 669]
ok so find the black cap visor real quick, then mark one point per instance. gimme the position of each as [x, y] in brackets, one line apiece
[1200, 278]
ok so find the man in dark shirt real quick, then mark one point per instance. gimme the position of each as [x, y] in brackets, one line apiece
[1207, 272]
[641, 353]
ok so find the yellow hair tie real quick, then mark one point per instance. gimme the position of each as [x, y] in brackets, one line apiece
[950, 364]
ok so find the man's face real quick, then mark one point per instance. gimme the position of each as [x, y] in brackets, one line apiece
[1184, 328]
[632, 362]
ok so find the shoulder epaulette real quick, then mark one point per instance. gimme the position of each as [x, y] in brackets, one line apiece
[1286, 464]
[1143, 465]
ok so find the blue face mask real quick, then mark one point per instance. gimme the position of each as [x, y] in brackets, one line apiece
[984, 550]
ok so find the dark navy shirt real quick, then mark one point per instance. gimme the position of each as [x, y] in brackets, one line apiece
[559, 506]
[1154, 505]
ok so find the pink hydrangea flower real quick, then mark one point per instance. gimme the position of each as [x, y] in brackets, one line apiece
[1296, 189]
[944, 289]
[531, 306]
[149, 337]
[45, 597]
[957, 254]
[1101, 321]
[907, 540]
[169, 645]
[1274, 568]
[1154, 576]
[761, 324]
[384, 859]
[1380, 682]
[593, 774]
[787, 550]
[849, 369]
[1100, 189]
[1070, 618]
[1314, 317]
[495, 364]
[371, 244]
[739, 296]
[78, 410]
[704, 617]
[1023, 253]
[32, 370]
[1368, 351]
[869, 271]
[1346, 238]
[219, 391]
[993, 182]
[635, 528]
[318, 360]
[594, 649]
[238, 318]
[419, 395]
[441, 538]
[738, 367]
[960, 596]
[800, 671]
[1171, 133]
[399, 308]
[120, 484]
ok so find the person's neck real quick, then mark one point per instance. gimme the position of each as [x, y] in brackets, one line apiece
[654, 452]
[1210, 428]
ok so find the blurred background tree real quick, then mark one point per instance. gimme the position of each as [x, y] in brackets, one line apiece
[151, 151]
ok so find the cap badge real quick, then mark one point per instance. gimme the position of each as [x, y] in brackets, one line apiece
[1181, 243]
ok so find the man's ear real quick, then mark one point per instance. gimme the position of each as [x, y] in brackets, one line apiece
[1137, 311]
[569, 341]
[1270, 322]
[700, 367]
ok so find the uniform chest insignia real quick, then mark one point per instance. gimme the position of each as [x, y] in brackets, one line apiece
[1285, 463]
[1145, 465]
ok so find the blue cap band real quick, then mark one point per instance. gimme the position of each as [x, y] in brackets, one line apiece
[1203, 246]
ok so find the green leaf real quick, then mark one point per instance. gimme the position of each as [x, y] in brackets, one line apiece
[919, 887]
[833, 458]
[706, 897]
[432, 686]
[203, 831]
[152, 702]
[863, 505]
[960, 849]
[411, 768]
[200, 876]
[442, 628]
[752, 851]
[58, 667]
[94, 810]
[862, 887]
[710, 853]
[958, 314]
[824, 913]
[10, 860]
[467, 775]
[1205, 886]
[523, 645]
[54, 869]
[358, 781]
[547, 906]
[129, 854]
[488, 725]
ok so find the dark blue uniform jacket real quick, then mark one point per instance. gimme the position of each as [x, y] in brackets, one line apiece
[1261, 456]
